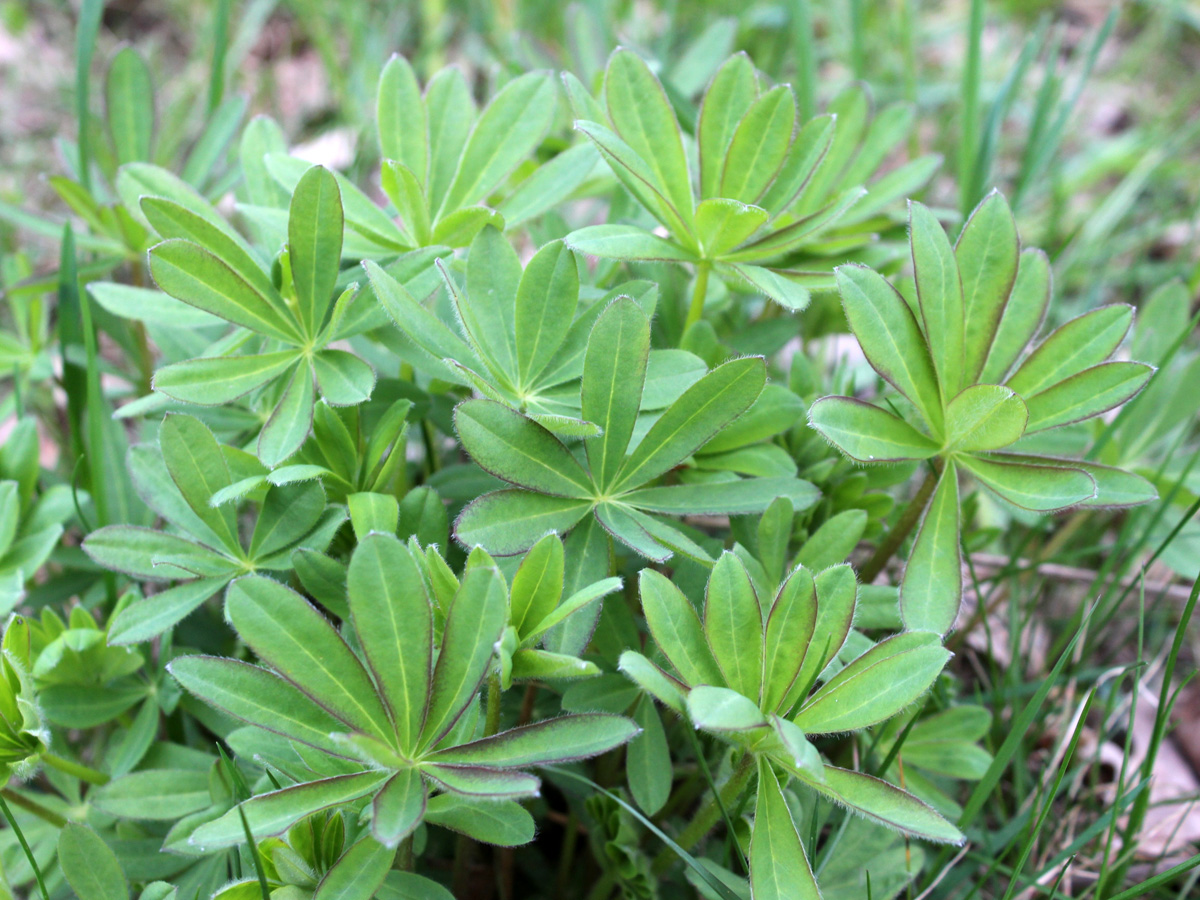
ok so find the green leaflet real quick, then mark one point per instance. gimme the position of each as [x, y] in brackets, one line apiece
[732, 91]
[400, 117]
[759, 145]
[703, 410]
[640, 113]
[90, 867]
[129, 101]
[985, 417]
[1032, 486]
[359, 872]
[837, 592]
[212, 381]
[614, 370]
[394, 618]
[1079, 344]
[676, 629]
[315, 226]
[648, 759]
[733, 624]
[555, 740]
[931, 590]
[505, 824]
[545, 306]
[790, 624]
[299, 643]
[398, 808]
[987, 253]
[276, 811]
[473, 624]
[512, 521]
[722, 224]
[519, 450]
[721, 709]
[867, 433]
[198, 469]
[749, 495]
[1086, 394]
[779, 868]
[891, 338]
[940, 297]
[258, 696]
[1022, 315]
[290, 422]
[538, 584]
[887, 805]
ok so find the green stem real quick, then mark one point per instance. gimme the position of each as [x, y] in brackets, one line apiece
[699, 292]
[901, 530]
[708, 815]
[79, 770]
[33, 807]
[24, 844]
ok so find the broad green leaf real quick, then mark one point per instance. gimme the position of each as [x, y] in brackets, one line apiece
[473, 625]
[198, 468]
[297, 641]
[476, 781]
[359, 872]
[834, 540]
[290, 421]
[519, 450]
[563, 739]
[775, 411]
[343, 378]
[1031, 486]
[887, 805]
[614, 371]
[545, 307]
[733, 624]
[641, 114]
[258, 696]
[773, 283]
[531, 664]
[653, 680]
[144, 553]
[578, 601]
[213, 381]
[140, 179]
[394, 621]
[400, 117]
[398, 808]
[1021, 317]
[276, 811]
[868, 433]
[676, 630]
[89, 865]
[759, 145]
[537, 585]
[623, 524]
[987, 253]
[1115, 488]
[985, 417]
[723, 710]
[704, 409]
[154, 795]
[779, 868]
[789, 629]
[505, 823]
[1082, 343]
[890, 338]
[315, 226]
[626, 242]
[723, 224]
[450, 113]
[129, 101]
[931, 590]
[148, 305]
[511, 126]
[940, 297]
[425, 329]
[487, 311]
[407, 194]
[774, 535]
[192, 274]
[751, 495]
[648, 760]
[172, 220]
[875, 686]
[410, 886]
[550, 184]
[837, 593]
[1086, 394]
[512, 521]
[732, 90]
[262, 136]
[150, 617]
[804, 157]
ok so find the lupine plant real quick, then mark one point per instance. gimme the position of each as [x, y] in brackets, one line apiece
[432, 535]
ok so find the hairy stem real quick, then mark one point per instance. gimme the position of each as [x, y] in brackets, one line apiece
[33, 807]
[79, 770]
[901, 530]
[699, 292]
